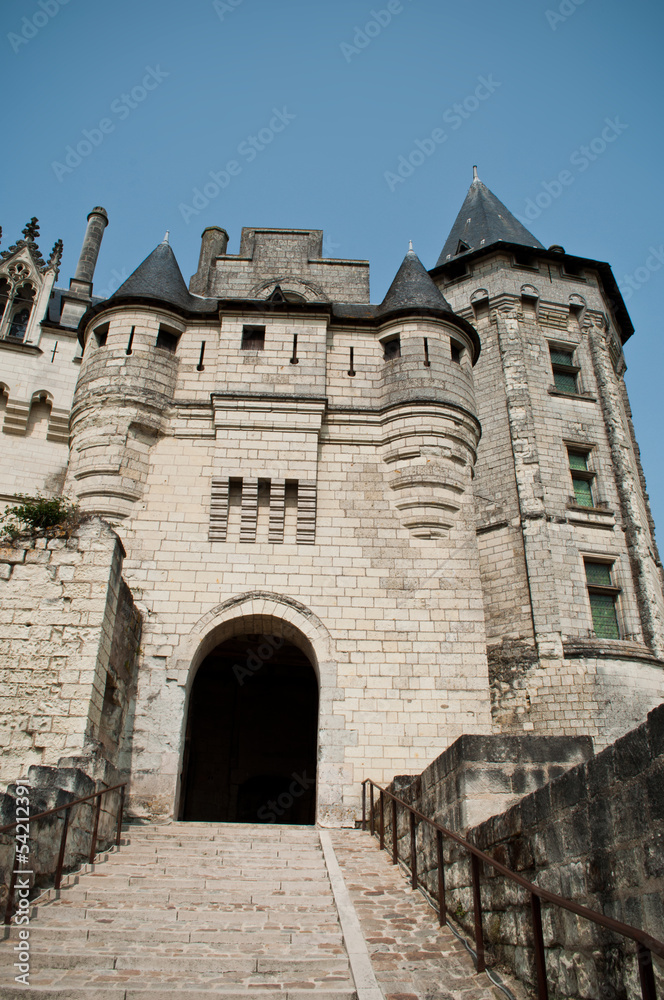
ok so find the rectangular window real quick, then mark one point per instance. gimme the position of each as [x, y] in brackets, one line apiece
[101, 335]
[582, 478]
[167, 339]
[565, 372]
[253, 338]
[456, 352]
[603, 595]
[392, 348]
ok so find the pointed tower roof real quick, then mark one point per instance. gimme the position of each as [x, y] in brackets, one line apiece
[159, 278]
[413, 290]
[483, 220]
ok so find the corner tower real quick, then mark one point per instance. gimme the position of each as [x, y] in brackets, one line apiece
[571, 576]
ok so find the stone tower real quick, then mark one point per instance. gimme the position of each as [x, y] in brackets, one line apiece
[571, 576]
[351, 532]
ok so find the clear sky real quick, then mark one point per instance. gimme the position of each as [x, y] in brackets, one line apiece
[313, 102]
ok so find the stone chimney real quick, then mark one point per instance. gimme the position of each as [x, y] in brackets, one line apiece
[214, 243]
[97, 222]
[79, 296]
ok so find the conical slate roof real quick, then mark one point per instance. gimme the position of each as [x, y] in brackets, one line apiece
[159, 278]
[483, 220]
[413, 290]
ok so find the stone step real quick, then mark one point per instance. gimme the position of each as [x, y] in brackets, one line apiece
[174, 989]
[207, 899]
[171, 977]
[232, 882]
[92, 959]
[294, 943]
[190, 912]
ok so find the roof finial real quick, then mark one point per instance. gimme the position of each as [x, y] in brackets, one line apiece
[475, 177]
[165, 239]
[410, 246]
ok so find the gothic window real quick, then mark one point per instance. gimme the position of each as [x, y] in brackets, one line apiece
[565, 372]
[4, 295]
[582, 478]
[603, 596]
[19, 324]
[22, 307]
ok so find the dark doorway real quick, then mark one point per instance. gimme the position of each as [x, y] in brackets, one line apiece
[250, 747]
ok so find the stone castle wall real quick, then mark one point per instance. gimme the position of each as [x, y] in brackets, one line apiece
[68, 634]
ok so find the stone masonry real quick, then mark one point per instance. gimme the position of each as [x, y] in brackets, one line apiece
[387, 489]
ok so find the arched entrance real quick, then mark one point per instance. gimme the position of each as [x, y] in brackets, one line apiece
[251, 738]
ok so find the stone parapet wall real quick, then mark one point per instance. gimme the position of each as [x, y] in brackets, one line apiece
[45, 788]
[593, 835]
[479, 776]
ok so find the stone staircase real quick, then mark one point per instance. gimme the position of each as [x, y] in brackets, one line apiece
[190, 910]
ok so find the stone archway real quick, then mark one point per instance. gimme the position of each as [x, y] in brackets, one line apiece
[251, 739]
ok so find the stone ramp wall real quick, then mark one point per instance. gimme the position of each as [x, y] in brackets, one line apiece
[595, 834]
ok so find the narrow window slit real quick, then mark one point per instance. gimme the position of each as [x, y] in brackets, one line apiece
[294, 358]
[427, 363]
[55, 348]
[199, 366]
[130, 341]
[351, 370]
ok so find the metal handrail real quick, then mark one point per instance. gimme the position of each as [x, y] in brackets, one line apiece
[646, 944]
[67, 807]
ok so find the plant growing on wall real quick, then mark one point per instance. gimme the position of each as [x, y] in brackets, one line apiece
[37, 515]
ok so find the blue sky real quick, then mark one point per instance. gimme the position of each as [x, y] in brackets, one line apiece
[170, 92]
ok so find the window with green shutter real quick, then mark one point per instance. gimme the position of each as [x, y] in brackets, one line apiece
[565, 372]
[603, 595]
[582, 478]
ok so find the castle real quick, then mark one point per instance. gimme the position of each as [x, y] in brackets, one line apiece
[329, 537]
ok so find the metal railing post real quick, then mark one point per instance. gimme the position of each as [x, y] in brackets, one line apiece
[10, 895]
[540, 956]
[63, 845]
[477, 911]
[118, 832]
[395, 851]
[413, 851]
[93, 843]
[371, 808]
[364, 806]
[381, 829]
[646, 973]
[442, 906]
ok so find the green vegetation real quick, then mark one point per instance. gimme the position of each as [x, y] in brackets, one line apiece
[37, 515]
